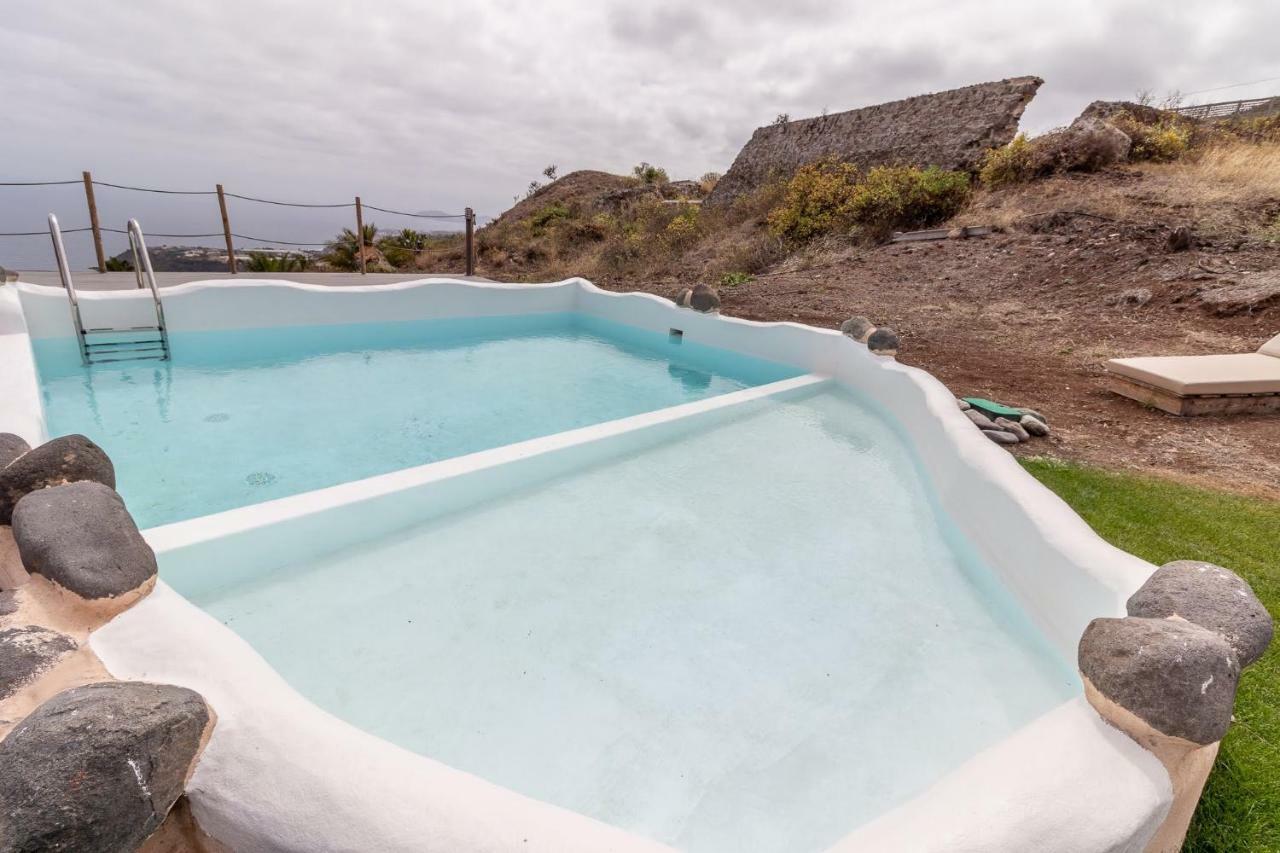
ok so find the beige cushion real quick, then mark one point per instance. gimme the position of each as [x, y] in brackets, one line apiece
[1188, 375]
[1271, 347]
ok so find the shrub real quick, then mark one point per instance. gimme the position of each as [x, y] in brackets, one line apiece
[117, 265]
[733, 279]
[647, 173]
[545, 216]
[343, 251]
[1160, 142]
[818, 200]
[906, 197]
[682, 231]
[829, 196]
[708, 182]
[1011, 164]
[264, 262]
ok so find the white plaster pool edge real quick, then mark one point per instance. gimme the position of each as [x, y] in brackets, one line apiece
[961, 463]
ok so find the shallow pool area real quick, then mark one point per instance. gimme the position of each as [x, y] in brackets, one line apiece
[751, 638]
[248, 415]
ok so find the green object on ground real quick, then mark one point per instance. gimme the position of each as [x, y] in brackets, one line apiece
[1160, 520]
[987, 407]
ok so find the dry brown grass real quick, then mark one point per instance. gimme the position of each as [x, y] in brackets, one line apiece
[1226, 171]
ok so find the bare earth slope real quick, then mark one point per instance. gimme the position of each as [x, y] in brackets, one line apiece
[1081, 274]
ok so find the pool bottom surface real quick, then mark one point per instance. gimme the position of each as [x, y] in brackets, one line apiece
[756, 638]
[240, 417]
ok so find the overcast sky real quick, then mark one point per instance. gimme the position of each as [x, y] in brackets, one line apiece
[437, 105]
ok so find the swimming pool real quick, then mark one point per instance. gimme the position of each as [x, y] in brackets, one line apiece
[248, 415]
[770, 592]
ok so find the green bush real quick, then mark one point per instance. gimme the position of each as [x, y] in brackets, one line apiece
[829, 196]
[1012, 164]
[548, 215]
[818, 200]
[906, 197]
[682, 231]
[733, 279]
[1161, 142]
[265, 262]
[647, 173]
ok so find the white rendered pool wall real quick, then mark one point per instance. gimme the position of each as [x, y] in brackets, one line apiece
[1059, 569]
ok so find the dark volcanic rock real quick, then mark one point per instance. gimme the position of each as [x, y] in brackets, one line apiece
[859, 328]
[883, 341]
[1178, 677]
[96, 768]
[81, 537]
[11, 447]
[704, 298]
[66, 459]
[1211, 597]
[26, 652]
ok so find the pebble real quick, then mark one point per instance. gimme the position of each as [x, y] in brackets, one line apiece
[999, 436]
[1013, 427]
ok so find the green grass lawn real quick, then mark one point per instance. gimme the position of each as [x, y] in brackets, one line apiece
[1162, 521]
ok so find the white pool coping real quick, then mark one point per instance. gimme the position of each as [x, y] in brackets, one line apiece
[281, 774]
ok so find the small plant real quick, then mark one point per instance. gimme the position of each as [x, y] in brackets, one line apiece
[1162, 142]
[733, 279]
[647, 174]
[343, 252]
[550, 172]
[708, 182]
[271, 262]
[117, 265]
[1012, 164]
[781, 119]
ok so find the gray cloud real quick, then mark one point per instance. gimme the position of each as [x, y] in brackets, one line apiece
[441, 105]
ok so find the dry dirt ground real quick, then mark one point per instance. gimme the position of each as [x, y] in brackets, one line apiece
[1028, 317]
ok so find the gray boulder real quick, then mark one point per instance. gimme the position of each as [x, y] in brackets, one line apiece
[1025, 411]
[883, 341]
[859, 328]
[81, 537]
[11, 447]
[67, 459]
[97, 768]
[1013, 428]
[26, 652]
[683, 297]
[1211, 597]
[1177, 677]
[979, 420]
[704, 298]
[1034, 425]
[963, 404]
[1001, 437]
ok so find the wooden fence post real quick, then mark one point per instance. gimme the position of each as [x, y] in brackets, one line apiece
[471, 237]
[360, 232]
[93, 222]
[226, 230]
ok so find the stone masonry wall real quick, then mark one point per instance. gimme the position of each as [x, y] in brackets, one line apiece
[949, 129]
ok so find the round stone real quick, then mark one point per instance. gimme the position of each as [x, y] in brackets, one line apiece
[1211, 597]
[883, 341]
[66, 459]
[999, 436]
[859, 328]
[1177, 677]
[704, 298]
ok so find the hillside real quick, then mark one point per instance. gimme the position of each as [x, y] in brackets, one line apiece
[1082, 269]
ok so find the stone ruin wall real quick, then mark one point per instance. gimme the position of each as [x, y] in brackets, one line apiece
[952, 129]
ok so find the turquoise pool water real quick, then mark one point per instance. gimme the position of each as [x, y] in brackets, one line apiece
[753, 638]
[245, 416]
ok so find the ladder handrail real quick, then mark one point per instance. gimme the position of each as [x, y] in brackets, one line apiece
[142, 261]
[64, 272]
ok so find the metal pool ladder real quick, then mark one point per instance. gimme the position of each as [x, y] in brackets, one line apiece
[133, 349]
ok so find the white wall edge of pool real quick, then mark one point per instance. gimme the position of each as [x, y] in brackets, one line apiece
[1060, 570]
